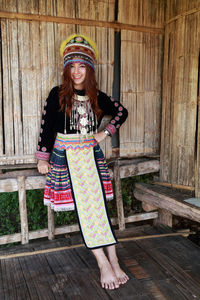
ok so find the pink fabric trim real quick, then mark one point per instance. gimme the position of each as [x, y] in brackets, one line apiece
[111, 128]
[42, 155]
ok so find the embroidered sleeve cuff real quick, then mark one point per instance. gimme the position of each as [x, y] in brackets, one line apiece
[42, 155]
[111, 128]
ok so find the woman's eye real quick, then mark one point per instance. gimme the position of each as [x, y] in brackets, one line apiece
[82, 66]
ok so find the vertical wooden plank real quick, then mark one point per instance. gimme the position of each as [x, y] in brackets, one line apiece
[164, 217]
[1, 102]
[7, 91]
[51, 224]
[15, 90]
[118, 195]
[23, 209]
[142, 12]
[180, 76]
[167, 107]
[10, 5]
[141, 92]
[197, 162]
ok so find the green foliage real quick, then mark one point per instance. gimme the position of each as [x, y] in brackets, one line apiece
[9, 213]
[37, 212]
[131, 205]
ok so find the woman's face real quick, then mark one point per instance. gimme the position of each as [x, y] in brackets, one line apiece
[78, 74]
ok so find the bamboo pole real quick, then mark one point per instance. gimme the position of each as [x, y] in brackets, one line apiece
[79, 21]
[135, 238]
[23, 209]
[175, 186]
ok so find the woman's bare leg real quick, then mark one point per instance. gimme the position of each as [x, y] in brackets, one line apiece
[112, 257]
[108, 277]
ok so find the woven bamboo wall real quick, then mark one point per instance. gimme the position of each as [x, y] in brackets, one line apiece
[31, 66]
[141, 76]
[179, 139]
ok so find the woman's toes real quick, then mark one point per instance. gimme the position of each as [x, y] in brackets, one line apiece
[111, 286]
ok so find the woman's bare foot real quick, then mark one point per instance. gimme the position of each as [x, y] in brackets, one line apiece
[121, 275]
[112, 257]
[108, 278]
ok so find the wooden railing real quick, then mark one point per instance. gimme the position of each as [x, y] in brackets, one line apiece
[22, 180]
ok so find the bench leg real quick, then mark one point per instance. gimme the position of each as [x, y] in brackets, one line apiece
[164, 217]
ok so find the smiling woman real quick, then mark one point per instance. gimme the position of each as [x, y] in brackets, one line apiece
[78, 177]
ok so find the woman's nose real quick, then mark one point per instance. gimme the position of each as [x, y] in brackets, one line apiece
[76, 69]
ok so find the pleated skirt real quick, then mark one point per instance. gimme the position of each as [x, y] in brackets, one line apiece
[79, 179]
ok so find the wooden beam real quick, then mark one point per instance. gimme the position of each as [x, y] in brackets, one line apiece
[144, 193]
[139, 167]
[184, 14]
[23, 209]
[79, 21]
[32, 182]
[51, 224]
[41, 233]
[130, 168]
[118, 196]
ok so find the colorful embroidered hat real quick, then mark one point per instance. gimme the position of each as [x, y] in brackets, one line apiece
[80, 47]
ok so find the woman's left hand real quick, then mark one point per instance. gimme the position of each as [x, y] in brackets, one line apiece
[100, 136]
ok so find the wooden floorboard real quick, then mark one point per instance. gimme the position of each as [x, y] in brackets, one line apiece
[164, 268]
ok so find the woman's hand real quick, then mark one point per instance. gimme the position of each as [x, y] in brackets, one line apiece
[43, 166]
[100, 136]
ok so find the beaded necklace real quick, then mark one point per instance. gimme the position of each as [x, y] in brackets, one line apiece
[82, 119]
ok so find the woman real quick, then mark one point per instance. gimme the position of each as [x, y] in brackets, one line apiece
[78, 176]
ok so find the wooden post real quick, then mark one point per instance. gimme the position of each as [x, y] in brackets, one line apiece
[23, 209]
[164, 217]
[118, 194]
[51, 224]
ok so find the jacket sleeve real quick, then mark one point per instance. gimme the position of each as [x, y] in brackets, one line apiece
[47, 130]
[114, 108]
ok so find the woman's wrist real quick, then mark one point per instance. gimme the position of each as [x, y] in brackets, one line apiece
[107, 132]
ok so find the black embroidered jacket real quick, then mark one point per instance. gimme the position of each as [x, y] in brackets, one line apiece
[53, 120]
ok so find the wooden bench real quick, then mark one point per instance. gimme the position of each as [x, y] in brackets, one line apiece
[167, 201]
[21, 180]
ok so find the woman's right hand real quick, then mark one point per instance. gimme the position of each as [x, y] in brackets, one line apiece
[43, 166]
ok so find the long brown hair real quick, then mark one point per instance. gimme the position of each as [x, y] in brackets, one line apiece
[66, 90]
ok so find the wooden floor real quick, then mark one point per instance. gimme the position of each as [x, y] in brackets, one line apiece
[159, 268]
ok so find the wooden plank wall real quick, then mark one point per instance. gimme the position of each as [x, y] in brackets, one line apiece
[32, 66]
[141, 76]
[180, 7]
[180, 80]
